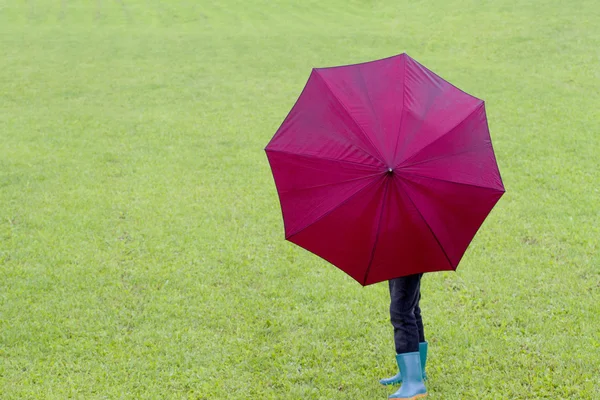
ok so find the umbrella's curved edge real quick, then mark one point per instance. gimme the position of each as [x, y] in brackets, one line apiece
[367, 283]
[492, 146]
[364, 62]
[327, 261]
[445, 80]
[290, 111]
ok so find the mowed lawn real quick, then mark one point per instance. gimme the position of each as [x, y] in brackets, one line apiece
[141, 242]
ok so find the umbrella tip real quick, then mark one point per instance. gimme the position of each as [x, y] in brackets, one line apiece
[390, 170]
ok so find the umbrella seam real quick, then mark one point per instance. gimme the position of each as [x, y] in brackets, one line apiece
[387, 185]
[332, 209]
[441, 136]
[401, 112]
[427, 225]
[308, 155]
[329, 184]
[432, 102]
[372, 109]
[360, 128]
[453, 182]
[470, 149]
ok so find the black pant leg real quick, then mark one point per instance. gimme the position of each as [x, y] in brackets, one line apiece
[419, 319]
[404, 296]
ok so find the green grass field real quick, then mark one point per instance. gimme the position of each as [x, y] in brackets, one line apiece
[141, 242]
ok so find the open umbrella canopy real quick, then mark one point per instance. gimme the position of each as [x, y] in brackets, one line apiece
[384, 169]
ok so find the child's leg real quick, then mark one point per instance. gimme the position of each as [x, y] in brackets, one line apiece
[404, 295]
[419, 319]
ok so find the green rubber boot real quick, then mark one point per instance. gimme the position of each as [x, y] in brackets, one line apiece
[397, 379]
[412, 377]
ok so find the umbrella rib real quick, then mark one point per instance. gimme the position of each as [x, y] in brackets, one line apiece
[309, 155]
[401, 112]
[453, 182]
[353, 195]
[360, 128]
[387, 185]
[442, 135]
[430, 104]
[372, 108]
[427, 225]
[469, 150]
[329, 184]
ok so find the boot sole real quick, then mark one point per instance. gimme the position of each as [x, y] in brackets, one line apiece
[419, 396]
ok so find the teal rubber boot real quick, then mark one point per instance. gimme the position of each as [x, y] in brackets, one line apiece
[412, 377]
[394, 380]
[397, 379]
[423, 353]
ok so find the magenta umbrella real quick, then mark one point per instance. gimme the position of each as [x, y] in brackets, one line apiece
[384, 169]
